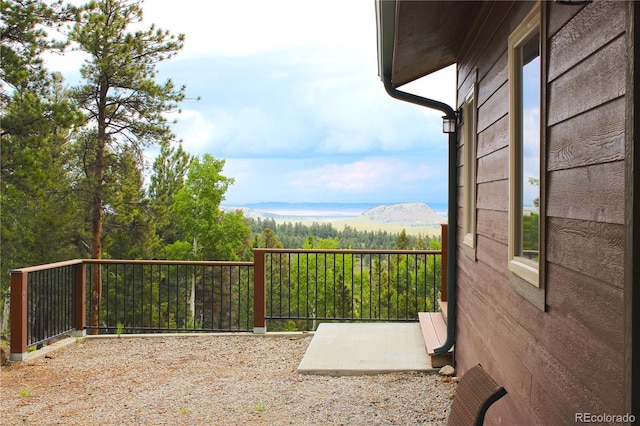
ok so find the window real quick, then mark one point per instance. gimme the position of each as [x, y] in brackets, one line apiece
[469, 131]
[525, 84]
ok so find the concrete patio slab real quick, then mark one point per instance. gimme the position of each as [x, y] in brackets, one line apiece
[358, 349]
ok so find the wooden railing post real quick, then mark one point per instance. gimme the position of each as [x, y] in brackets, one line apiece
[80, 296]
[18, 315]
[259, 292]
[443, 263]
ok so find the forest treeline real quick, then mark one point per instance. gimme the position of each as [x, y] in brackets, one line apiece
[326, 236]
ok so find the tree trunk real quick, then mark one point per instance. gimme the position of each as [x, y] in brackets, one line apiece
[96, 250]
[97, 209]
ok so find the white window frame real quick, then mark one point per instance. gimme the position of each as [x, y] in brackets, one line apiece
[526, 269]
[469, 135]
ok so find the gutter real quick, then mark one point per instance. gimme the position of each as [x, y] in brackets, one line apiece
[452, 213]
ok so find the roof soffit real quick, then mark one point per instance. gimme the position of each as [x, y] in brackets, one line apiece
[429, 36]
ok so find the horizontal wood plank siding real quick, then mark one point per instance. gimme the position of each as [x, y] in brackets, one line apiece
[592, 193]
[496, 107]
[559, 15]
[493, 196]
[594, 249]
[491, 225]
[593, 310]
[494, 79]
[590, 29]
[568, 358]
[494, 137]
[591, 138]
[493, 254]
[597, 80]
[494, 166]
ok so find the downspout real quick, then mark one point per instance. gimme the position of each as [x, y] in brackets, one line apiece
[452, 213]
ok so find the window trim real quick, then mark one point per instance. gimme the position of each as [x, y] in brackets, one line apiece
[470, 170]
[522, 267]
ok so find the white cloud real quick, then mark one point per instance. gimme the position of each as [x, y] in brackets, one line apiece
[367, 175]
[196, 131]
[243, 27]
[338, 179]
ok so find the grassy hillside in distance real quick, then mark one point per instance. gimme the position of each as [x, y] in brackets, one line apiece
[394, 228]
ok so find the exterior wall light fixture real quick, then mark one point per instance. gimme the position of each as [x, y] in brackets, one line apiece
[449, 123]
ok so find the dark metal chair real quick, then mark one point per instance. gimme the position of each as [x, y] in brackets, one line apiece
[474, 395]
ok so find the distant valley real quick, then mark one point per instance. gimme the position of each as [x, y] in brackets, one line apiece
[414, 218]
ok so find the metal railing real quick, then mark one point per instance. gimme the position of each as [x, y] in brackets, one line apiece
[306, 287]
[140, 296]
[46, 303]
[292, 289]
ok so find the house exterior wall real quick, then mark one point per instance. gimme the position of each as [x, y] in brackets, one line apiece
[568, 358]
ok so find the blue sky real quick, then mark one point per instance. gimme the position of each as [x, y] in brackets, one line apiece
[290, 98]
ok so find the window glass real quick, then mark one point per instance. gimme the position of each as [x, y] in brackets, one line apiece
[469, 169]
[530, 167]
[525, 146]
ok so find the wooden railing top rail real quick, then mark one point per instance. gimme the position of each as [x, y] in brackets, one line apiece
[169, 262]
[47, 266]
[128, 262]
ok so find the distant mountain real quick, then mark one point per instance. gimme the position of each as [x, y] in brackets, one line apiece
[410, 214]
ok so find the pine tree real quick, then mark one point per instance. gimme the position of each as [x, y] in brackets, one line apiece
[123, 103]
[403, 242]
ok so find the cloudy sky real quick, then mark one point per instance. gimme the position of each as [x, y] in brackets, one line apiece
[290, 97]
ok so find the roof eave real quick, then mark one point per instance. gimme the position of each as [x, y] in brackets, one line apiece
[417, 38]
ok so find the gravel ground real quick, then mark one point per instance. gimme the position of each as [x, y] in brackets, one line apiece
[209, 380]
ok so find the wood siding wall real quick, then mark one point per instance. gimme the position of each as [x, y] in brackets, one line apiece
[568, 359]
